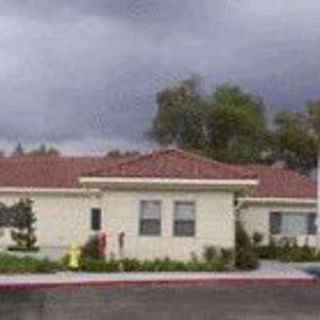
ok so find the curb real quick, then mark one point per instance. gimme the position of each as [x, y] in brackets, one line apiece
[241, 282]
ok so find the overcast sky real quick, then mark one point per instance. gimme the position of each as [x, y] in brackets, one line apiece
[83, 74]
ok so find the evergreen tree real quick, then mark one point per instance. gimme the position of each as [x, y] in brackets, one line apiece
[22, 220]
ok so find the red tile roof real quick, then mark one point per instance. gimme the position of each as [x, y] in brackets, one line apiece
[64, 172]
[282, 183]
[173, 163]
[47, 172]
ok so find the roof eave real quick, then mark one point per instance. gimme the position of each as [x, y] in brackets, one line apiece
[134, 182]
[279, 201]
[44, 190]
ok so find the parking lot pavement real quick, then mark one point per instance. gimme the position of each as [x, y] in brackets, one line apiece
[223, 303]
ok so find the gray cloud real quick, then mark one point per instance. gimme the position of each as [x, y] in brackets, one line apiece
[83, 74]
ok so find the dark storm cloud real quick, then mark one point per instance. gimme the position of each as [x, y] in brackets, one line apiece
[83, 74]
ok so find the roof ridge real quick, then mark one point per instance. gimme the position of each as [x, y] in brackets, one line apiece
[128, 161]
[186, 154]
[199, 157]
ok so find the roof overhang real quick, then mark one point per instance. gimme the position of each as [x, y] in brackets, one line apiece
[167, 183]
[278, 201]
[33, 191]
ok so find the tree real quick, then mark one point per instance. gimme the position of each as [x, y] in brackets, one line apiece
[18, 151]
[229, 125]
[246, 258]
[22, 220]
[237, 126]
[114, 153]
[180, 117]
[296, 138]
[4, 217]
[313, 117]
[293, 142]
[43, 150]
[120, 154]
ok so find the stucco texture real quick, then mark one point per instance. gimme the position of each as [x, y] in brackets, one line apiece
[214, 223]
[63, 220]
[255, 218]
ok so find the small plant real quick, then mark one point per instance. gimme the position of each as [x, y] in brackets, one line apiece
[92, 249]
[257, 238]
[210, 253]
[10, 264]
[227, 255]
[22, 220]
[287, 249]
[246, 257]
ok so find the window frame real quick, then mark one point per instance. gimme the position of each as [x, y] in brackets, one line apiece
[175, 221]
[93, 211]
[283, 214]
[141, 220]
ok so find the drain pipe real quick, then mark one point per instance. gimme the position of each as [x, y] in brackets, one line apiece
[121, 243]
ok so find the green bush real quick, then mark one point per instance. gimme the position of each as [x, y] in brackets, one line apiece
[257, 238]
[246, 257]
[10, 264]
[92, 265]
[210, 253]
[287, 251]
[131, 265]
[92, 250]
[22, 220]
[227, 255]
[157, 265]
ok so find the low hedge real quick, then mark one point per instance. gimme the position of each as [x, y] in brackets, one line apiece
[158, 265]
[10, 264]
[288, 253]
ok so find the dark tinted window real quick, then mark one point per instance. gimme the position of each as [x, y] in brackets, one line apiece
[96, 219]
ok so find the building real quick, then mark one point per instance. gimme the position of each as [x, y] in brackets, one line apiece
[284, 204]
[169, 203]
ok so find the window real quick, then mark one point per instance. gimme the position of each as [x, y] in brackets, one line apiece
[96, 219]
[184, 219]
[292, 224]
[150, 218]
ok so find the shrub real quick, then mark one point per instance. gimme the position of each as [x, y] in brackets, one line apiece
[22, 219]
[131, 265]
[257, 238]
[157, 265]
[227, 255]
[92, 249]
[246, 257]
[94, 265]
[210, 253]
[10, 264]
[288, 251]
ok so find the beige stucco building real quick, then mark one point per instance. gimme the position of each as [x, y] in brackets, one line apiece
[165, 204]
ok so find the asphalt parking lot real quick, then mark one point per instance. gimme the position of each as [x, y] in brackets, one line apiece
[223, 303]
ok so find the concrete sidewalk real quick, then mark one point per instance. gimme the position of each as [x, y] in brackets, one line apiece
[268, 273]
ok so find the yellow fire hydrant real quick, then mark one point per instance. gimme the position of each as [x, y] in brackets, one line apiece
[74, 257]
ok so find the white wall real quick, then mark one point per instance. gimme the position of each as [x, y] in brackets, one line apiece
[65, 219]
[256, 218]
[214, 223]
[61, 219]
